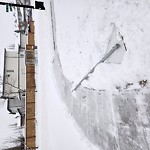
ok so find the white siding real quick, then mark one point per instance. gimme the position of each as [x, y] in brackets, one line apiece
[14, 74]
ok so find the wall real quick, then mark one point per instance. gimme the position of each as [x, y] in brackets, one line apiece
[14, 73]
[11, 73]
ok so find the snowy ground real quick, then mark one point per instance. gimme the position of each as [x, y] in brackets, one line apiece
[56, 129]
[110, 110]
[116, 95]
[9, 127]
[83, 32]
[83, 29]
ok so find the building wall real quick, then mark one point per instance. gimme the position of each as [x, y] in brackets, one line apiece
[11, 73]
[14, 73]
[22, 71]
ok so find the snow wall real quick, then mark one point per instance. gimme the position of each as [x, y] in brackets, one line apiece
[111, 121]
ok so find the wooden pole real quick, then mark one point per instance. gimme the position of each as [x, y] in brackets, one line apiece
[30, 90]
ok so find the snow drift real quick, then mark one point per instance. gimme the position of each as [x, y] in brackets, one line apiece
[112, 106]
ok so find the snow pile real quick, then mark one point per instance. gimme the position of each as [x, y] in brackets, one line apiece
[110, 108]
[56, 130]
[83, 32]
[106, 106]
[10, 133]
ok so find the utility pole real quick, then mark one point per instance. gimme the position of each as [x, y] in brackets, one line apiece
[30, 118]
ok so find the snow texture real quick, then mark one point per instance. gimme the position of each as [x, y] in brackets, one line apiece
[10, 132]
[112, 106]
[56, 129]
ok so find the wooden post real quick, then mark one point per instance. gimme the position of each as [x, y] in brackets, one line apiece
[30, 90]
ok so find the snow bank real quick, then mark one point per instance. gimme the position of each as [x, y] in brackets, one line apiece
[110, 120]
[10, 132]
[83, 31]
[108, 105]
[112, 107]
[56, 130]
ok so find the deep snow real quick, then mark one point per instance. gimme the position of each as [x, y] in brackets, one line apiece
[83, 28]
[10, 132]
[83, 32]
[56, 129]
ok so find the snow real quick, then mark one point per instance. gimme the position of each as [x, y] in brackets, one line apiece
[8, 126]
[107, 108]
[85, 28]
[115, 107]
[56, 129]
[83, 32]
